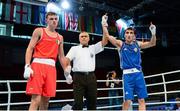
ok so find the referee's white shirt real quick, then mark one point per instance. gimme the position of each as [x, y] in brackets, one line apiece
[84, 58]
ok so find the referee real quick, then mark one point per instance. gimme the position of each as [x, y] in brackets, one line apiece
[84, 79]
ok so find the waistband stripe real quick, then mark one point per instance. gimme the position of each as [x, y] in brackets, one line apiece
[44, 61]
[129, 71]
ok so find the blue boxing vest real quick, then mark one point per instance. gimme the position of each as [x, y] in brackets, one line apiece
[130, 56]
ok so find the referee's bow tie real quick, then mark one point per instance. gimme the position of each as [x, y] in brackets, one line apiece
[85, 46]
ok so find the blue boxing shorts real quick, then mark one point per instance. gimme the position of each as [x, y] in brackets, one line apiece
[134, 83]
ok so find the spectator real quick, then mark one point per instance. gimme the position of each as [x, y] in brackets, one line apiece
[113, 84]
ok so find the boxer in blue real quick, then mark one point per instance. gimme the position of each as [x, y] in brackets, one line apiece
[130, 57]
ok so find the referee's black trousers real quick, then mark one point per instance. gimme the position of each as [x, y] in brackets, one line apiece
[84, 84]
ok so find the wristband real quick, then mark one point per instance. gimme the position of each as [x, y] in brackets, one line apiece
[27, 65]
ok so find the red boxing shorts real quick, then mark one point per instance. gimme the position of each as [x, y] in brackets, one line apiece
[43, 80]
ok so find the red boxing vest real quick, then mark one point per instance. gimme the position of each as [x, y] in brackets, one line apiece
[47, 47]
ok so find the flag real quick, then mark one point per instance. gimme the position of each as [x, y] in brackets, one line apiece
[92, 24]
[62, 20]
[66, 16]
[81, 26]
[73, 21]
[79, 23]
[97, 25]
[9, 11]
[121, 27]
[70, 17]
[1, 8]
[112, 26]
[23, 13]
[89, 24]
[35, 14]
[42, 16]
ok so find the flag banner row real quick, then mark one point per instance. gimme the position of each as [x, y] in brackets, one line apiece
[18, 12]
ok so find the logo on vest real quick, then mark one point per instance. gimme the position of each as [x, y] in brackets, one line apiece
[57, 41]
[135, 49]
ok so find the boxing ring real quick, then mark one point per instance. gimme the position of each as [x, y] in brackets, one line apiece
[162, 88]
